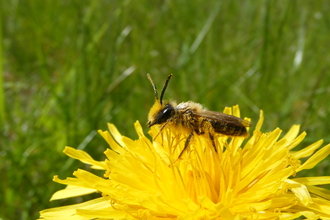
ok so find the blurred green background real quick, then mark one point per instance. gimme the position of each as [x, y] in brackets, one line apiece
[69, 67]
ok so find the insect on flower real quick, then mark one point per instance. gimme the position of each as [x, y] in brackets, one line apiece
[194, 118]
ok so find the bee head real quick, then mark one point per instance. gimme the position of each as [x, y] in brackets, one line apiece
[160, 112]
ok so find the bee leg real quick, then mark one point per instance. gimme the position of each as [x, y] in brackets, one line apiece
[160, 130]
[186, 144]
[213, 143]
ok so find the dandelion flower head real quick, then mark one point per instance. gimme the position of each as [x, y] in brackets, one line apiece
[251, 178]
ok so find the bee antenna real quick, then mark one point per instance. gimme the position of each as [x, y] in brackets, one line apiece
[163, 91]
[153, 86]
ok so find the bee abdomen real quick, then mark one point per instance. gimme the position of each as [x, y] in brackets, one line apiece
[228, 129]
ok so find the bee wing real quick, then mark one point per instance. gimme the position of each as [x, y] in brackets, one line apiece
[218, 116]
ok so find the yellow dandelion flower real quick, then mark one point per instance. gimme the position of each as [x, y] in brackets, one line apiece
[245, 179]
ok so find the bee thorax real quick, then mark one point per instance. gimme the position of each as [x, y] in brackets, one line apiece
[192, 106]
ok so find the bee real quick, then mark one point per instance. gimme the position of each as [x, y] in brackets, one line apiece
[194, 118]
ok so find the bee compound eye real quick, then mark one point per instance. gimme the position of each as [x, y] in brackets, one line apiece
[164, 114]
[167, 112]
